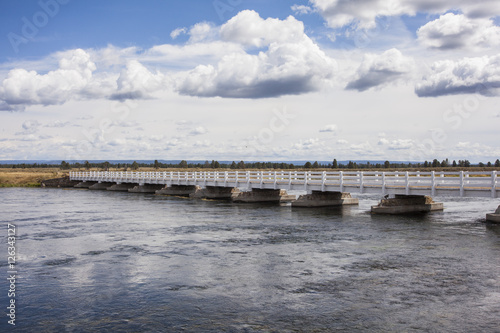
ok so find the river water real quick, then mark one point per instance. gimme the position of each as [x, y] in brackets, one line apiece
[91, 261]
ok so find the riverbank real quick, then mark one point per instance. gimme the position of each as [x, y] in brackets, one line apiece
[28, 177]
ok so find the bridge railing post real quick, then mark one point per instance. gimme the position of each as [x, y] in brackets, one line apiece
[323, 181]
[383, 184]
[361, 181]
[341, 181]
[494, 179]
[433, 183]
[462, 184]
[407, 183]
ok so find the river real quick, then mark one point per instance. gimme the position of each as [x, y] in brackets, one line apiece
[90, 261]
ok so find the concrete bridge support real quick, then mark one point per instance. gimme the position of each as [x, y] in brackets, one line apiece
[101, 186]
[121, 187]
[147, 188]
[325, 199]
[403, 204]
[264, 195]
[495, 217]
[85, 184]
[216, 193]
[179, 190]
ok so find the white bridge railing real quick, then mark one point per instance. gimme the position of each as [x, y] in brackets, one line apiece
[463, 183]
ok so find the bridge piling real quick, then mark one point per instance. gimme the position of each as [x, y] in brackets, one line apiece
[101, 186]
[325, 199]
[121, 187]
[264, 195]
[215, 193]
[146, 188]
[85, 184]
[495, 217]
[403, 204]
[179, 190]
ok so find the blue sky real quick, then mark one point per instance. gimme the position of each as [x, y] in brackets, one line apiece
[95, 24]
[252, 80]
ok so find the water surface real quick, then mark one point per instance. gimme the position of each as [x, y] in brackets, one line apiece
[107, 261]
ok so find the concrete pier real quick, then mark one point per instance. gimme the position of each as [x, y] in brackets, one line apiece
[264, 195]
[325, 199]
[101, 186]
[147, 188]
[403, 204]
[85, 184]
[495, 217]
[179, 190]
[216, 193]
[121, 187]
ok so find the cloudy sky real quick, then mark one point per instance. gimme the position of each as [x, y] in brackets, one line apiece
[407, 80]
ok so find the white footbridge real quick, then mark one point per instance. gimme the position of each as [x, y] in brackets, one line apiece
[456, 184]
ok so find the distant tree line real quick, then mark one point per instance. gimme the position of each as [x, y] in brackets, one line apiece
[254, 165]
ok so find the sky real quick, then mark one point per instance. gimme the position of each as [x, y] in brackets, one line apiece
[281, 80]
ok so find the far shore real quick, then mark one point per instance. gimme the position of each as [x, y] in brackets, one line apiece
[29, 177]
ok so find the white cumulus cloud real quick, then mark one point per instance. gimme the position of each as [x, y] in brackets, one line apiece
[291, 64]
[248, 28]
[177, 32]
[455, 31]
[465, 76]
[136, 82]
[203, 31]
[22, 88]
[400, 144]
[301, 9]
[363, 13]
[332, 128]
[379, 70]
[198, 131]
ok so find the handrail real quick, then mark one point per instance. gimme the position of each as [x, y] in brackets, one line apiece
[408, 180]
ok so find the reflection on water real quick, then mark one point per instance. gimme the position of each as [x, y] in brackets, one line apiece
[91, 261]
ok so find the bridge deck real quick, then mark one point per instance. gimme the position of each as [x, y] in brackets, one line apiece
[461, 184]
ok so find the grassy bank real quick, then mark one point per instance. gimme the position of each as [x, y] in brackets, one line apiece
[27, 177]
